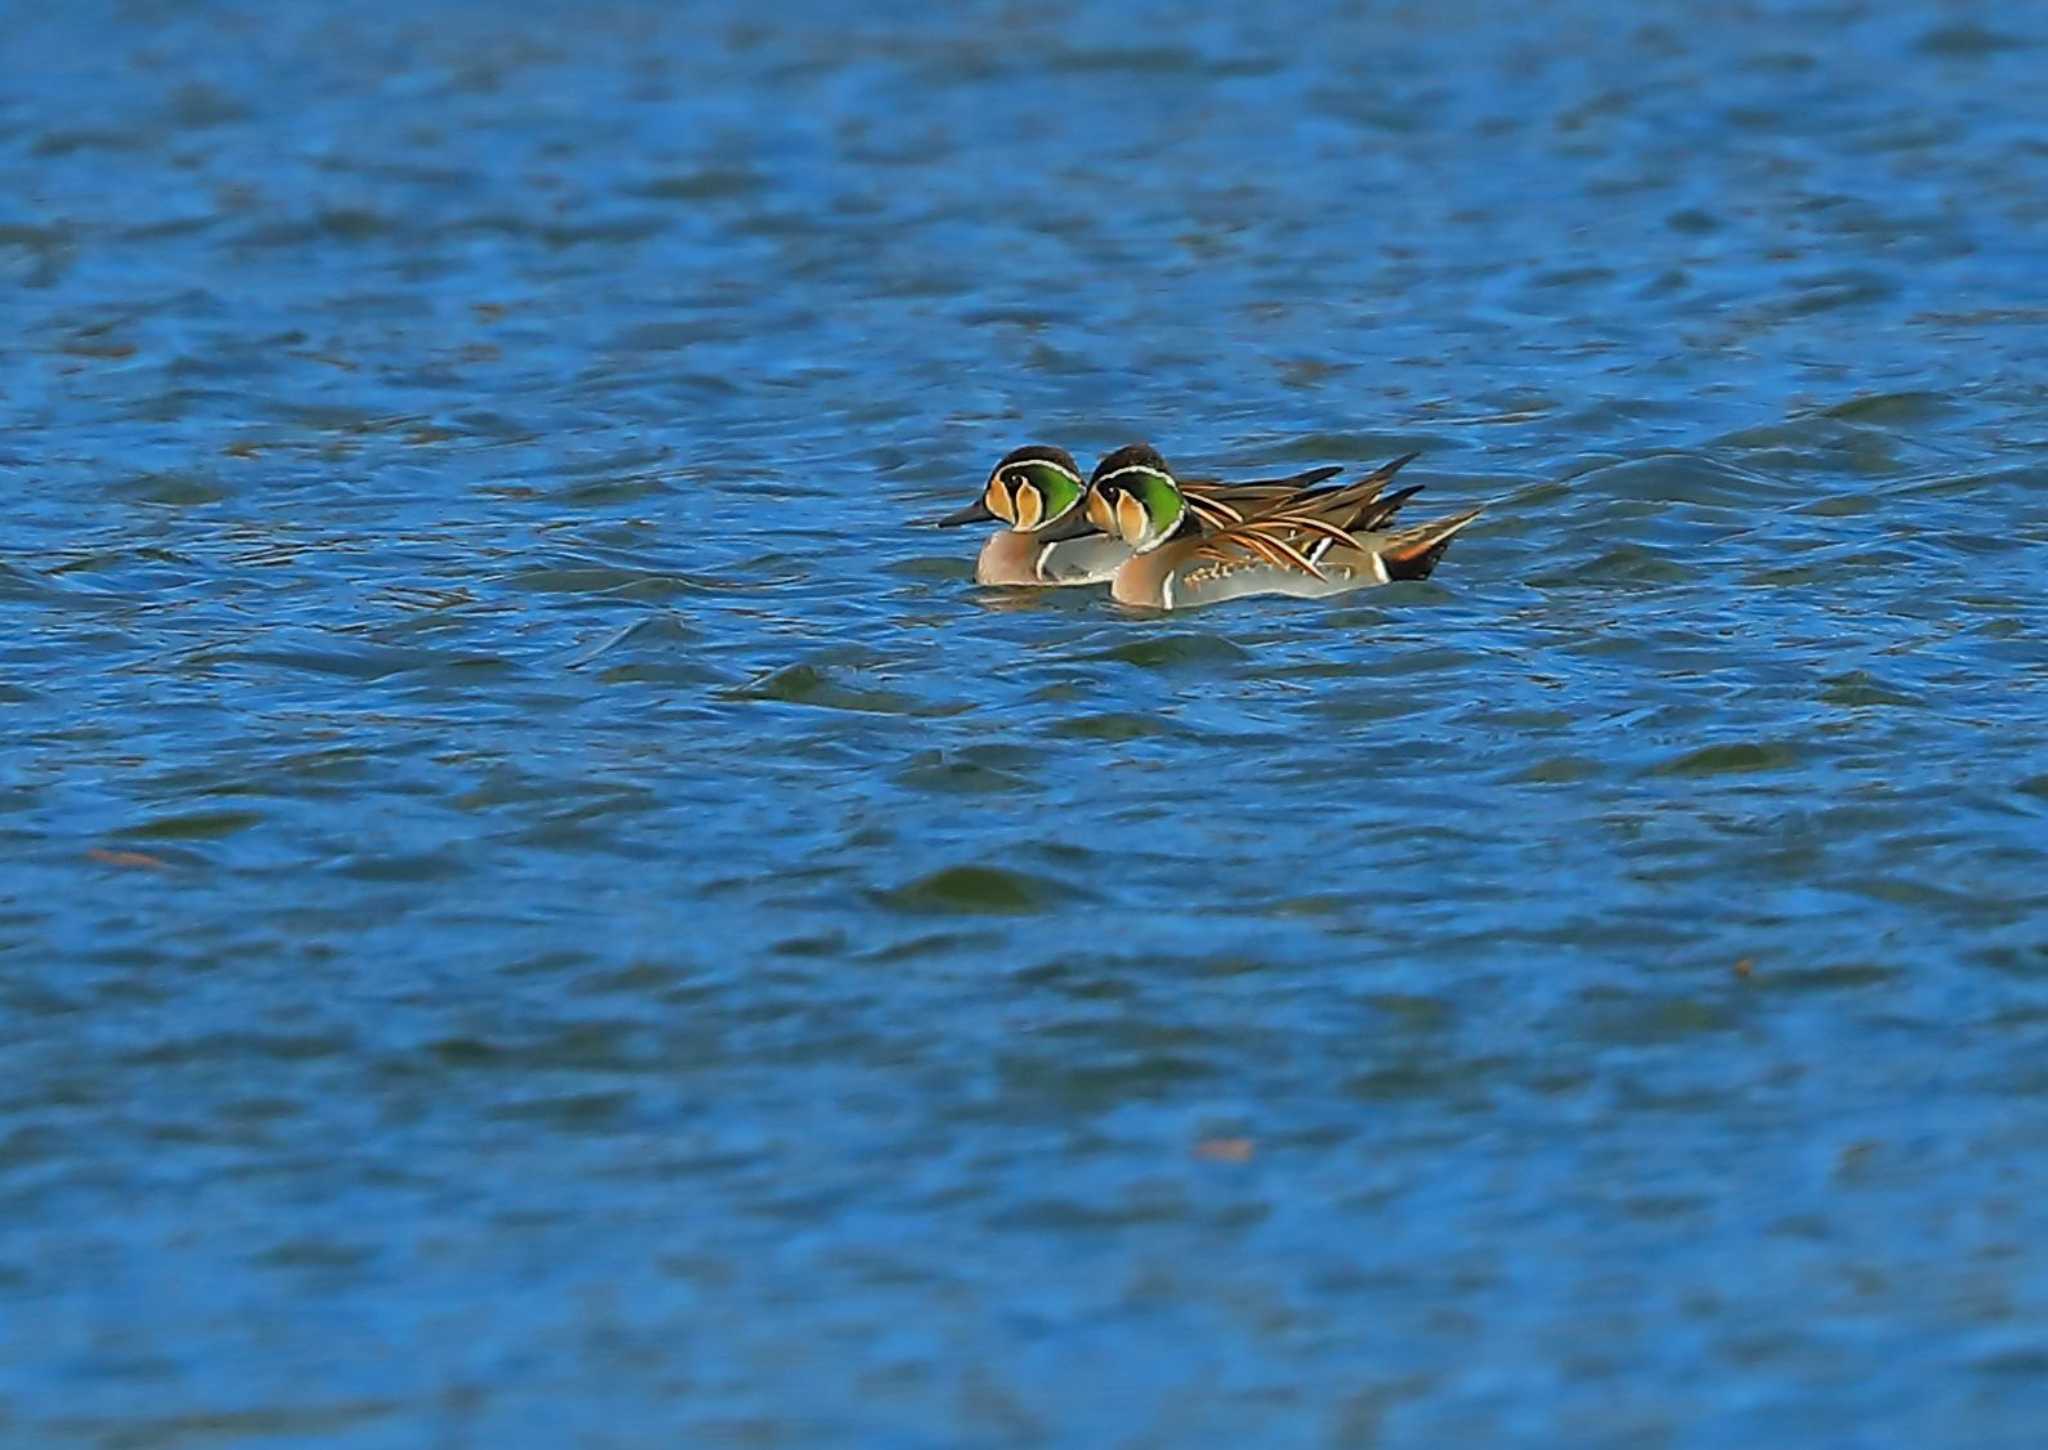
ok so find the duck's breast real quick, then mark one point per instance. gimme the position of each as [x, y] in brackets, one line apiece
[1145, 580]
[1007, 558]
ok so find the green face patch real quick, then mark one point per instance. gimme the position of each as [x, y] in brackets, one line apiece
[1061, 491]
[1041, 494]
[1161, 499]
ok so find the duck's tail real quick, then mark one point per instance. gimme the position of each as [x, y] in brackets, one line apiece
[1413, 553]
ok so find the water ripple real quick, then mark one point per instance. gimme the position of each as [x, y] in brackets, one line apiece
[512, 844]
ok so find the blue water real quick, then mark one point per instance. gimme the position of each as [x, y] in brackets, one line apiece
[536, 908]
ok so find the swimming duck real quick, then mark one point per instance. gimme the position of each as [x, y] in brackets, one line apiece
[1038, 490]
[1320, 542]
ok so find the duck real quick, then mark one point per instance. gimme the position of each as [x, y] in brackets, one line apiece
[1037, 492]
[1317, 543]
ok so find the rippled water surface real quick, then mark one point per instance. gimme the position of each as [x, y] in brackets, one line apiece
[536, 909]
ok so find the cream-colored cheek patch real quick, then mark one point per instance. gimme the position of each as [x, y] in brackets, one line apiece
[1030, 506]
[1130, 519]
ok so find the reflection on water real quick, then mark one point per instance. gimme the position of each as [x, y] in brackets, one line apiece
[536, 908]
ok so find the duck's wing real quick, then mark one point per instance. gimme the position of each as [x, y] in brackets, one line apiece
[1287, 540]
[1218, 503]
[1360, 495]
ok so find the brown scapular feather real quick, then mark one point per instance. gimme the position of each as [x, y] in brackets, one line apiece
[1213, 512]
[1259, 538]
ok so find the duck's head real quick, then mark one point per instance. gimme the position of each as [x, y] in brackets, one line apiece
[1132, 496]
[1033, 488]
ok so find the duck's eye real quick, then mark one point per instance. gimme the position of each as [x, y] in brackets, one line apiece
[997, 500]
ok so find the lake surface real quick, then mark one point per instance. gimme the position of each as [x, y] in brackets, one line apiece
[536, 909]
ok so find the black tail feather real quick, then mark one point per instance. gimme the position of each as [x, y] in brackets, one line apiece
[1381, 511]
[1415, 566]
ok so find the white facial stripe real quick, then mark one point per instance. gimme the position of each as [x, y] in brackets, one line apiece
[1061, 469]
[1135, 468]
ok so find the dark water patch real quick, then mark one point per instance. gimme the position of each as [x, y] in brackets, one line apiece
[402, 868]
[623, 228]
[977, 891]
[233, 1046]
[659, 649]
[1046, 1082]
[570, 1112]
[1116, 727]
[939, 946]
[1558, 770]
[1968, 482]
[1837, 977]
[63, 142]
[198, 105]
[1843, 505]
[2026, 1363]
[1858, 689]
[1627, 567]
[1829, 569]
[19, 583]
[1447, 1082]
[362, 664]
[676, 336]
[1832, 291]
[610, 492]
[1966, 40]
[933, 568]
[196, 826]
[572, 1046]
[1647, 1020]
[1900, 889]
[1195, 652]
[651, 586]
[38, 258]
[712, 183]
[178, 490]
[655, 631]
[151, 1431]
[831, 945]
[670, 674]
[1426, 661]
[1883, 410]
[823, 688]
[954, 776]
[326, 1255]
[1742, 758]
[1680, 479]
